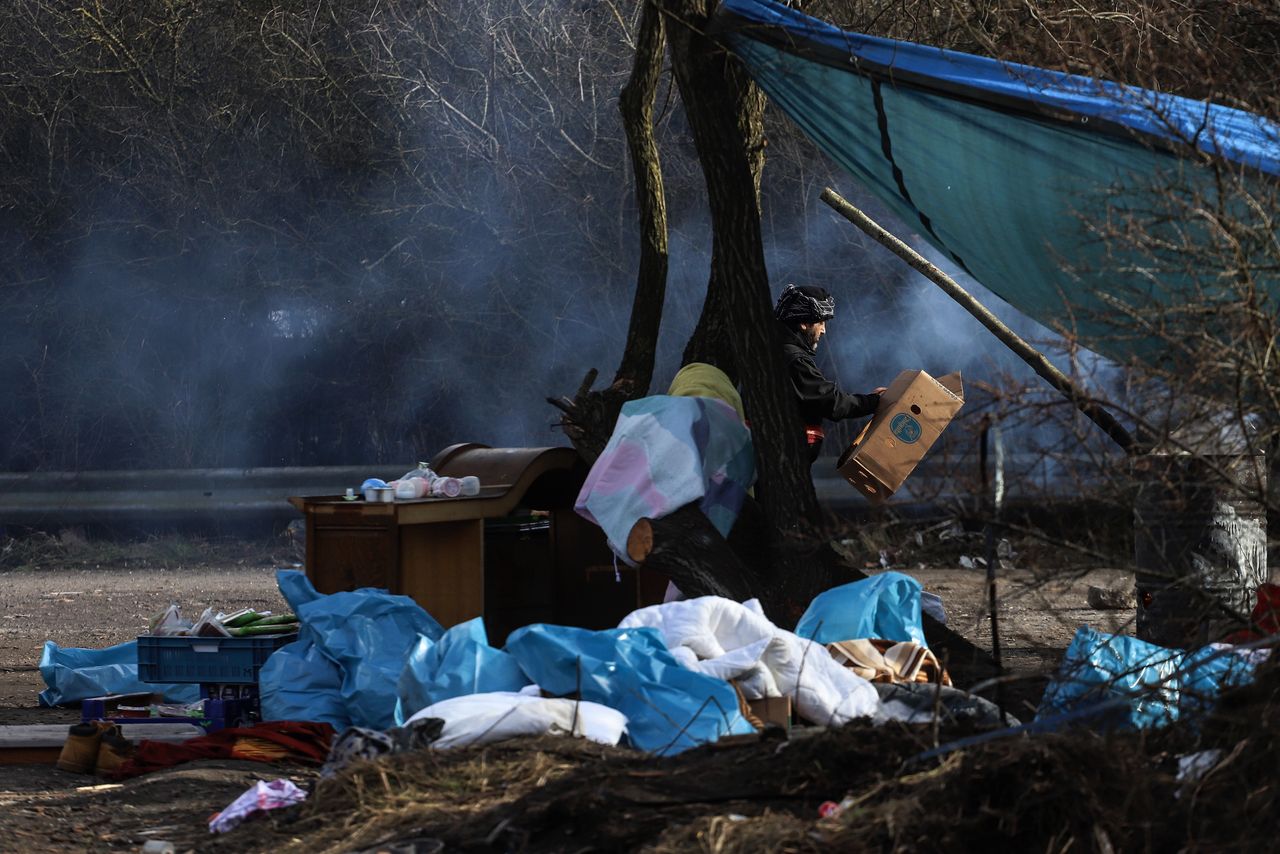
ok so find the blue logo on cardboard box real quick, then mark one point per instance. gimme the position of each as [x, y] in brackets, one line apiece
[906, 428]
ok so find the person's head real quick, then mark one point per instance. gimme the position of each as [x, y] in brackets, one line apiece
[806, 309]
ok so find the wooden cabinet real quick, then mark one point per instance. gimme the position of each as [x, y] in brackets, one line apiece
[514, 554]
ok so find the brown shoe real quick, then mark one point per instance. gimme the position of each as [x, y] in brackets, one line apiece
[113, 751]
[80, 750]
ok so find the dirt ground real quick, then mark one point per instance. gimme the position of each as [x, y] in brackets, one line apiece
[81, 600]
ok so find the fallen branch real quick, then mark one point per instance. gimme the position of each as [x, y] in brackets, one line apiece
[1033, 357]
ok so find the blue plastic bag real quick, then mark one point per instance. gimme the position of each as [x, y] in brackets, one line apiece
[298, 683]
[669, 709]
[75, 674]
[460, 663]
[296, 588]
[1155, 685]
[885, 606]
[366, 634]
[1098, 667]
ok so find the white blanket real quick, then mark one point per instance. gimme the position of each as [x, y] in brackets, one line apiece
[499, 715]
[736, 642]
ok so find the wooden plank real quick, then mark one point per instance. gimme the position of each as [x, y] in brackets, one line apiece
[430, 510]
[442, 568]
[490, 503]
[34, 736]
[350, 511]
[29, 755]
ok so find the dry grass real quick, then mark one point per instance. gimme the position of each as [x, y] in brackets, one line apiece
[371, 803]
[1071, 791]
[73, 548]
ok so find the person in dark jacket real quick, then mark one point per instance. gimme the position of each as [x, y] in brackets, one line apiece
[803, 312]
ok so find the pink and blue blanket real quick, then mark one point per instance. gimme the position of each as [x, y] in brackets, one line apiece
[666, 452]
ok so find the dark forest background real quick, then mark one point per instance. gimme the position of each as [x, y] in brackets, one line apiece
[239, 233]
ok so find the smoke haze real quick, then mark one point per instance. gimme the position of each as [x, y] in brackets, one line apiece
[362, 236]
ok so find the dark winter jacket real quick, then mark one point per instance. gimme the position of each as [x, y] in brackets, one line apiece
[816, 396]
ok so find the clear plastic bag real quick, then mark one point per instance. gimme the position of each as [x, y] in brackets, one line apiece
[169, 622]
[423, 471]
[209, 626]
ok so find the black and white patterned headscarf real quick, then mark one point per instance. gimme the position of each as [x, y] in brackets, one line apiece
[804, 304]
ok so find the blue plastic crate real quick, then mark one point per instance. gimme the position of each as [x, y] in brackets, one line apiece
[218, 714]
[201, 659]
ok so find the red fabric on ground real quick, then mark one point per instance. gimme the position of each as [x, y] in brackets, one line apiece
[305, 741]
[1265, 619]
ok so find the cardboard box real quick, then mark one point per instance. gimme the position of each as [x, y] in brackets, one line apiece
[772, 710]
[913, 412]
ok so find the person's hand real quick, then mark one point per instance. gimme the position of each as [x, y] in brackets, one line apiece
[881, 390]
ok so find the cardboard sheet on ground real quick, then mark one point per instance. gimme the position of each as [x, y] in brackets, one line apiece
[668, 708]
[460, 663]
[364, 636]
[735, 641]
[1156, 685]
[885, 606]
[73, 674]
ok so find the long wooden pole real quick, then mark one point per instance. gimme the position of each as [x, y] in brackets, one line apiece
[1033, 357]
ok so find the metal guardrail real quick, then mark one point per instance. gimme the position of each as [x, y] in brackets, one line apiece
[235, 495]
[947, 479]
[170, 496]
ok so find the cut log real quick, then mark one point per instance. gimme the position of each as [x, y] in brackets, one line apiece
[687, 548]
[640, 541]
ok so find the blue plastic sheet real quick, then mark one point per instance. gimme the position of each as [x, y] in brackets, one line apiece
[1205, 673]
[460, 663]
[365, 634]
[75, 674]
[669, 709]
[1098, 667]
[1003, 169]
[1157, 685]
[884, 606]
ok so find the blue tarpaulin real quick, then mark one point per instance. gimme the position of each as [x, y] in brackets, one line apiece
[669, 709]
[1002, 166]
[73, 674]
[361, 639]
[365, 657]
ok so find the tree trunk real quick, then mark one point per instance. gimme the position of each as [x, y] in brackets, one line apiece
[589, 417]
[725, 112]
[710, 339]
[636, 105]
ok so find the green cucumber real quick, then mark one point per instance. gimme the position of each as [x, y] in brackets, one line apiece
[240, 619]
[274, 620]
[279, 629]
